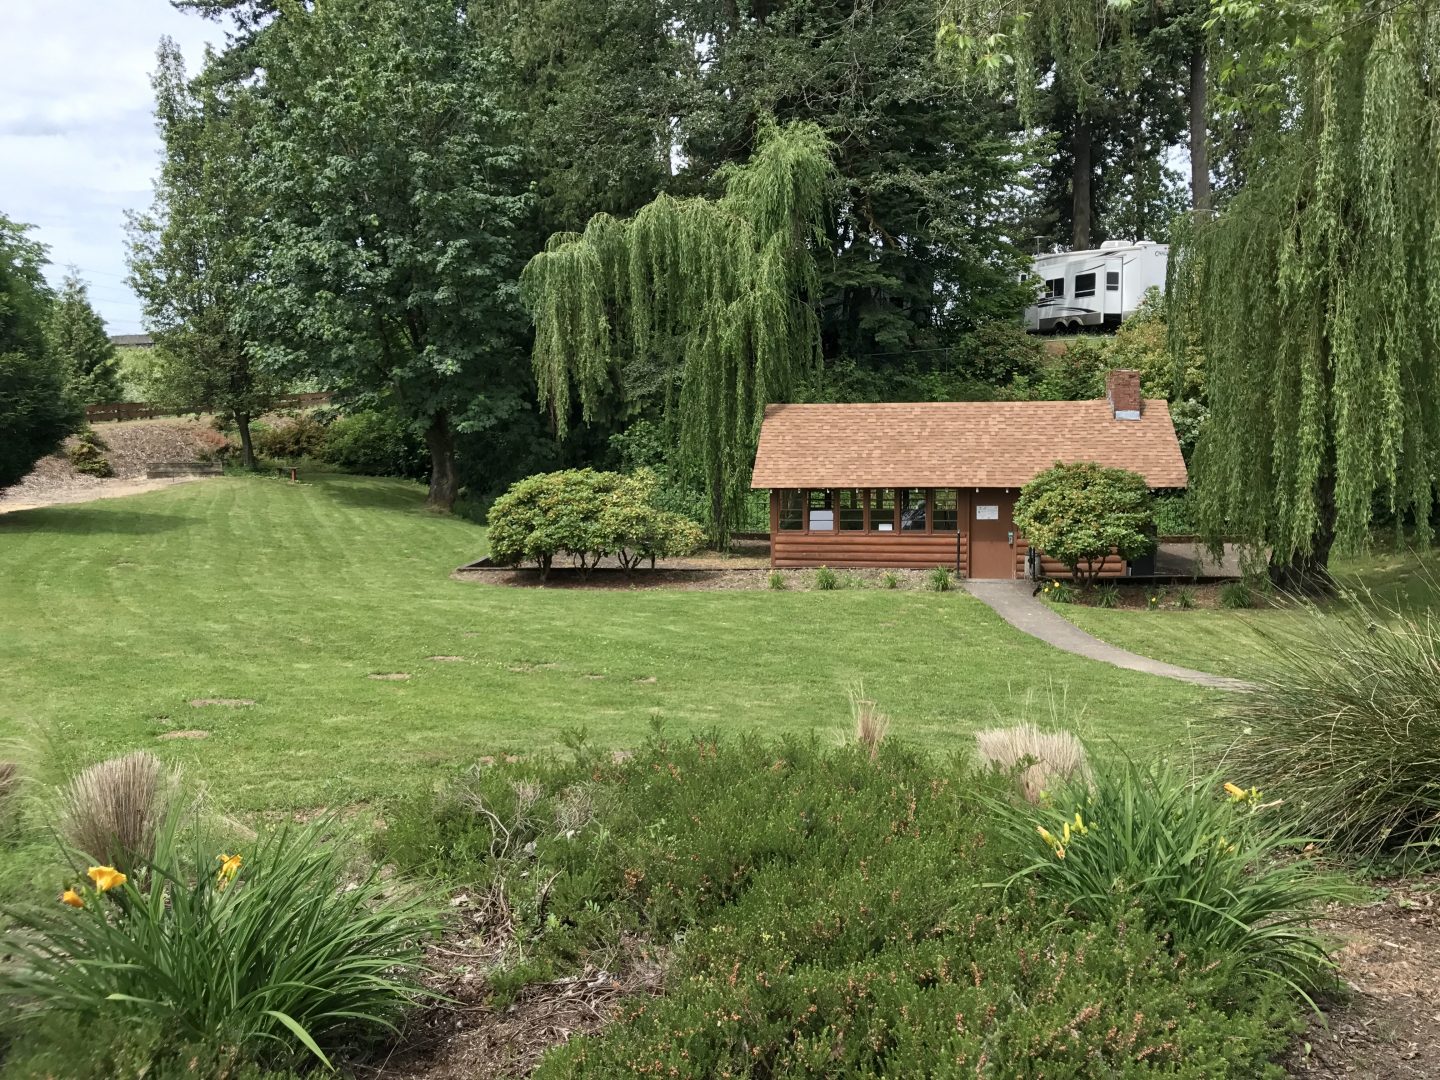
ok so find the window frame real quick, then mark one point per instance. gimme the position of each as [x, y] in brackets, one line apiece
[1112, 280]
[1051, 293]
[1081, 290]
[870, 524]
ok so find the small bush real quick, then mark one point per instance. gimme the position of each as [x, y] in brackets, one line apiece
[1081, 513]
[889, 580]
[1236, 595]
[1344, 724]
[278, 953]
[113, 810]
[1059, 592]
[87, 455]
[1040, 761]
[1144, 843]
[1185, 598]
[299, 436]
[376, 444]
[826, 579]
[1153, 600]
[939, 579]
[212, 445]
[778, 581]
[1107, 596]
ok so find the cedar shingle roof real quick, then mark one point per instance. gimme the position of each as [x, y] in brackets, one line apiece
[958, 444]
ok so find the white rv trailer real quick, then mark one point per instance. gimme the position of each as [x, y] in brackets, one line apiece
[1101, 287]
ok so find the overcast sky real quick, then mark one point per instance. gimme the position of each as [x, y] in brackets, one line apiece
[77, 136]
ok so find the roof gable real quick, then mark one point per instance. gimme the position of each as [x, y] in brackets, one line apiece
[959, 444]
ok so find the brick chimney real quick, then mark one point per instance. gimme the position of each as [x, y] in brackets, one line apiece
[1123, 389]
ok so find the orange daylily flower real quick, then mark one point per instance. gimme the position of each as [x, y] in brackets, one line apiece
[106, 877]
[229, 867]
[71, 897]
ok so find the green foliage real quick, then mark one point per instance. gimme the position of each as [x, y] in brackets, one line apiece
[287, 959]
[777, 581]
[730, 337]
[1173, 515]
[36, 410]
[1075, 374]
[795, 889]
[587, 515]
[87, 454]
[389, 177]
[1185, 598]
[940, 579]
[1083, 512]
[292, 438]
[889, 580]
[1236, 595]
[1059, 592]
[1217, 876]
[78, 341]
[1107, 596]
[376, 443]
[1322, 377]
[826, 580]
[1344, 724]
[192, 256]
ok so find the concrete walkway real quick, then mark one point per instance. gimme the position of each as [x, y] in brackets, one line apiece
[1014, 602]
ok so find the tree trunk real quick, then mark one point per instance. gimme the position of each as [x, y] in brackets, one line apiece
[1080, 170]
[720, 531]
[1199, 130]
[247, 448]
[1311, 573]
[440, 441]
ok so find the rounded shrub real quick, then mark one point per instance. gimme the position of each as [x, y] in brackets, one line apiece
[376, 444]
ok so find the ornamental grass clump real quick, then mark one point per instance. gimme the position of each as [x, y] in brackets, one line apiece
[1344, 723]
[113, 810]
[275, 950]
[1207, 865]
[1038, 760]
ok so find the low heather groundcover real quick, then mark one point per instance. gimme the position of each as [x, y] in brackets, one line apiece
[829, 911]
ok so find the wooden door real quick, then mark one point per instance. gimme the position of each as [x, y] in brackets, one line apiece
[992, 535]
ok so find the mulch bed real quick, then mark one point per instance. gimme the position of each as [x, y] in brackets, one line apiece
[133, 448]
[1389, 1025]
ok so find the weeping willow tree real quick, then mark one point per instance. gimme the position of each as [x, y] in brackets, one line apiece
[1315, 296]
[715, 294]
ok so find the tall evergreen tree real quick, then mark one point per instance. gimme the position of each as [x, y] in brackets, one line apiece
[36, 408]
[1315, 294]
[193, 257]
[80, 344]
[387, 174]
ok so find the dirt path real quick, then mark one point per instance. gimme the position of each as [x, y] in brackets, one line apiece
[103, 489]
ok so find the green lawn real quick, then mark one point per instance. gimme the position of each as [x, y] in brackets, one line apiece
[114, 615]
[1235, 642]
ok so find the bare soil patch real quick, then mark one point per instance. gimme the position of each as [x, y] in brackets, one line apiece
[445, 659]
[390, 676]
[132, 448]
[1389, 1025]
[224, 702]
[188, 733]
[719, 577]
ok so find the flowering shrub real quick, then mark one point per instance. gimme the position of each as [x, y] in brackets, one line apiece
[1081, 513]
[273, 951]
[1141, 843]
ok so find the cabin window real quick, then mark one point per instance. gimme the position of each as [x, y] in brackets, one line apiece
[850, 504]
[882, 509]
[1085, 284]
[913, 509]
[792, 510]
[946, 515]
[1112, 280]
[822, 510]
[1055, 287]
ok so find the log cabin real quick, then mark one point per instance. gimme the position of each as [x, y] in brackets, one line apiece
[915, 485]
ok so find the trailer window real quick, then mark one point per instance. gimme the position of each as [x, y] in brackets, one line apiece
[851, 504]
[822, 510]
[912, 509]
[1085, 284]
[1112, 280]
[792, 510]
[1055, 287]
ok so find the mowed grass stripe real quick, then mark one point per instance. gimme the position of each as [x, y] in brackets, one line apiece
[117, 614]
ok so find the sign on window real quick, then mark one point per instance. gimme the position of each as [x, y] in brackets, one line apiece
[987, 513]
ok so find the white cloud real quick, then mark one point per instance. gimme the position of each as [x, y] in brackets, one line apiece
[77, 136]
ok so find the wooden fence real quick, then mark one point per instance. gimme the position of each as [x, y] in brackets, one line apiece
[144, 410]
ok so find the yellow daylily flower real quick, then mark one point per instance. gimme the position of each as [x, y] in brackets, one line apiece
[1235, 791]
[71, 897]
[1080, 826]
[229, 867]
[1059, 852]
[1065, 834]
[106, 877]
[1045, 835]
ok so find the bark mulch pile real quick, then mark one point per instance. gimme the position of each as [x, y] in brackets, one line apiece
[132, 448]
